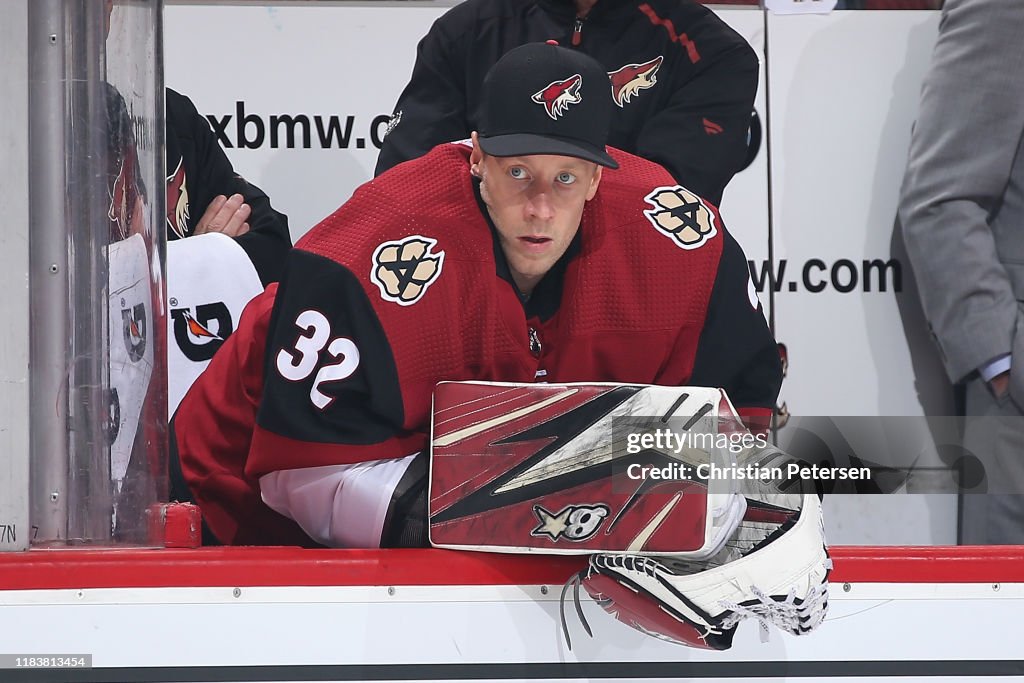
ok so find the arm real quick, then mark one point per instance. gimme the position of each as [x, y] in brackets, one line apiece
[345, 505]
[329, 448]
[736, 350]
[214, 184]
[967, 136]
[212, 430]
[432, 108]
[700, 136]
[295, 429]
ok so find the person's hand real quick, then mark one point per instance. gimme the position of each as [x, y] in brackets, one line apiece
[227, 215]
[1000, 384]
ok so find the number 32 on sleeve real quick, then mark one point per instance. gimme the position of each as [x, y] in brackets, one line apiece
[299, 362]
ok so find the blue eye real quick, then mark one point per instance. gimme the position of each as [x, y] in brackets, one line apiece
[566, 178]
[517, 172]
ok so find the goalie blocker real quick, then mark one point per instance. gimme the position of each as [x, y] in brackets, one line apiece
[556, 468]
[546, 468]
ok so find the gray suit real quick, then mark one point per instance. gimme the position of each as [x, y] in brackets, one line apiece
[962, 211]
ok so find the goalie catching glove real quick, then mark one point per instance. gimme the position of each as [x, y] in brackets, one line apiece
[774, 569]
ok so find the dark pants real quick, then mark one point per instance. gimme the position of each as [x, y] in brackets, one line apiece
[994, 432]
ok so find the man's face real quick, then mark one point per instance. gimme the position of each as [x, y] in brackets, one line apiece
[535, 203]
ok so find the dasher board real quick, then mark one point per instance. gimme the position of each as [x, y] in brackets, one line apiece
[282, 614]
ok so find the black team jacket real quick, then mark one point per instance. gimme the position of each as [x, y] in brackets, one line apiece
[198, 170]
[683, 81]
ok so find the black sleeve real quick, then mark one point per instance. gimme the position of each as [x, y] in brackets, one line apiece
[359, 411]
[736, 350]
[701, 135]
[432, 109]
[405, 525]
[210, 174]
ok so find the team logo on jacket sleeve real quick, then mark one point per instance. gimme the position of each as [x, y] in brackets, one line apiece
[119, 212]
[558, 95]
[681, 215]
[404, 269]
[177, 201]
[632, 78]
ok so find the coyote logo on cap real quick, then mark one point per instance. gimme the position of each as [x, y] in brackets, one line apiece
[558, 95]
[632, 78]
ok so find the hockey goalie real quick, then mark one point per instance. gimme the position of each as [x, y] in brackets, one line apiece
[688, 526]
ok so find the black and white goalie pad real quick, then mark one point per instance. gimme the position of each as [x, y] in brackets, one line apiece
[774, 569]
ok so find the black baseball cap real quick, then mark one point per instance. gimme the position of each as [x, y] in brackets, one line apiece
[540, 98]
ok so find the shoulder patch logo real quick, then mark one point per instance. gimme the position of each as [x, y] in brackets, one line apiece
[682, 216]
[632, 78]
[558, 95]
[404, 269]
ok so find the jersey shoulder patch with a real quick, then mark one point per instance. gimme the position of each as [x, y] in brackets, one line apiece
[681, 215]
[404, 269]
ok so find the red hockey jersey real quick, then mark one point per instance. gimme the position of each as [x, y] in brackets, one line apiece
[400, 288]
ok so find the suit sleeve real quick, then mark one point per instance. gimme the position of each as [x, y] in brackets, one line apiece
[736, 350]
[432, 108]
[212, 174]
[700, 136]
[964, 145]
